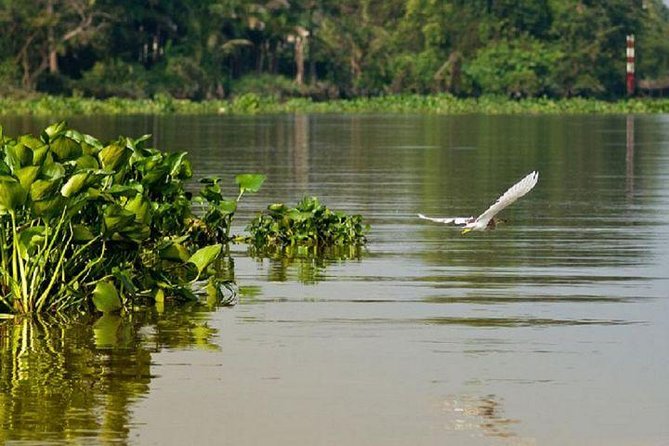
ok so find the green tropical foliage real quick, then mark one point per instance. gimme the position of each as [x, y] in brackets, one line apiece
[324, 49]
[310, 224]
[87, 223]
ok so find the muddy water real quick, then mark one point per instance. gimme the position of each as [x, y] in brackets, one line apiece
[550, 330]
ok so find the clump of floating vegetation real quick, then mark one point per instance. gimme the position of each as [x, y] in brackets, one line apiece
[309, 227]
[252, 103]
[85, 223]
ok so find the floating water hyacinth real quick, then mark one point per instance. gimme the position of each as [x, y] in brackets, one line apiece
[309, 224]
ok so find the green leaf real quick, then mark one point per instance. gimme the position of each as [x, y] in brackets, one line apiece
[43, 189]
[105, 297]
[31, 141]
[12, 194]
[74, 184]
[89, 144]
[180, 167]
[250, 182]
[228, 206]
[65, 149]
[53, 131]
[203, 257]
[52, 170]
[27, 176]
[49, 207]
[82, 234]
[87, 162]
[4, 168]
[30, 239]
[174, 252]
[40, 155]
[116, 218]
[141, 207]
[113, 156]
[17, 156]
[130, 190]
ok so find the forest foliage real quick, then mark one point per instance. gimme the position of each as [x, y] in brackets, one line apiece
[326, 49]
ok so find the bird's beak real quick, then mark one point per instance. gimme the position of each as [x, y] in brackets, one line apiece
[466, 230]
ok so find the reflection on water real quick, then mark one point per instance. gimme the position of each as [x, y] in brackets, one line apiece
[76, 378]
[478, 415]
[549, 330]
[309, 264]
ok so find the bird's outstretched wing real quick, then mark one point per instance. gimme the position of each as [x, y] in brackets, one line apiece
[515, 192]
[457, 221]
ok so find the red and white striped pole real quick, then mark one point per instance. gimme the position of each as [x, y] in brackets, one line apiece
[630, 65]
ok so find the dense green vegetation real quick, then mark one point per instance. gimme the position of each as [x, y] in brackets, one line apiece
[112, 225]
[443, 103]
[309, 225]
[326, 49]
[84, 221]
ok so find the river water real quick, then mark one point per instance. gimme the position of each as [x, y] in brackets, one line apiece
[551, 330]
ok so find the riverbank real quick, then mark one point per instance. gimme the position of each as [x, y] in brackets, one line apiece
[252, 104]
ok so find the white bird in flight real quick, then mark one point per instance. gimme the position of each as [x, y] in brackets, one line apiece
[487, 219]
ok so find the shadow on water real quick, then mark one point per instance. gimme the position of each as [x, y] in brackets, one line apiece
[77, 378]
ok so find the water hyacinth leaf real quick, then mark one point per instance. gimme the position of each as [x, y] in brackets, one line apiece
[250, 182]
[204, 257]
[116, 218]
[139, 142]
[228, 206]
[30, 239]
[65, 149]
[40, 155]
[44, 189]
[31, 141]
[27, 175]
[156, 175]
[12, 194]
[113, 156]
[17, 156]
[124, 278]
[278, 208]
[141, 207]
[211, 191]
[106, 298]
[175, 252]
[82, 234]
[53, 131]
[89, 144]
[74, 184]
[52, 170]
[180, 167]
[82, 181]
[50, 207]
[131, 190]
[87, 162]
[137, 232]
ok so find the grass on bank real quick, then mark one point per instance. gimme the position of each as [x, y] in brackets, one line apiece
[251, 103]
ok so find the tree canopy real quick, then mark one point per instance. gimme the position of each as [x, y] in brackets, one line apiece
[202, 49]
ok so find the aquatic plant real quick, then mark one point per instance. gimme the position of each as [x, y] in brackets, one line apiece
[308, 226]
[82, 222]
[252, 103]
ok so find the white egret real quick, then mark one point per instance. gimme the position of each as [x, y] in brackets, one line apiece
[487, 219]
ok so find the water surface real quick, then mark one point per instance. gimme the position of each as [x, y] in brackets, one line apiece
[550, 330]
